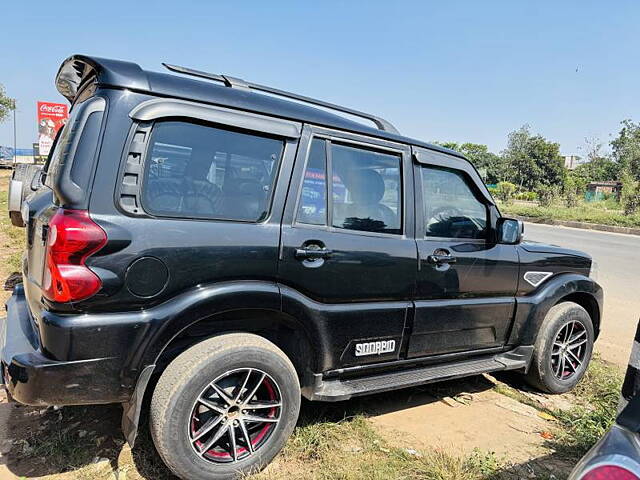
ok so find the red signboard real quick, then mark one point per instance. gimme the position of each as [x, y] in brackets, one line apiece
[51, 118]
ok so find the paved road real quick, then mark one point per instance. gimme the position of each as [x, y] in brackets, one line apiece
[618, 257]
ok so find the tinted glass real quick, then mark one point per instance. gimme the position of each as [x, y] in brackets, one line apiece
[60, 151]
[313, 198]
[82, 164]
[451, 210]
[198, 171]
[366, 190]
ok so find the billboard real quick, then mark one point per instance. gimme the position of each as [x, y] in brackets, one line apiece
[51, 118]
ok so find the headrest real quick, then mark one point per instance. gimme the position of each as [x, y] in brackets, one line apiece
[366, 186]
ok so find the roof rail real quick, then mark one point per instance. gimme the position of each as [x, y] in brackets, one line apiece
[233, 82]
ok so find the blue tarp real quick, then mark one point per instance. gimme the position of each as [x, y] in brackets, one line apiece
[7, 152]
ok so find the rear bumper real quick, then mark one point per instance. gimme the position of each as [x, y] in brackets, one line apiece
[33, 378]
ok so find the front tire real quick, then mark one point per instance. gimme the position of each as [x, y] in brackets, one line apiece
[224, 408]
[562, 350]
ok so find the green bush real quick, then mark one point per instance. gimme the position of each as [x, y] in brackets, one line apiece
[547, 194]
[630, 197]
[505, 191]
[584, 212]
[571, 196]
[609, 203]
[527, 196]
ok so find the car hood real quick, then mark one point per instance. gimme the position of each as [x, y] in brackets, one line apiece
[536, 247]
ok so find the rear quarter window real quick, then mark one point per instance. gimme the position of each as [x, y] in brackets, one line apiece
[59, 152]
[198, 171]
[70, 163]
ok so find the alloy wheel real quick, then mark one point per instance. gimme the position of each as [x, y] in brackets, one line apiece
[234, 416]
[569, 350]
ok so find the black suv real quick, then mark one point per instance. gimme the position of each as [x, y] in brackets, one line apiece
[219, 248]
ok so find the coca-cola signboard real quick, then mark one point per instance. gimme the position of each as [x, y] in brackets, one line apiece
[51, 118]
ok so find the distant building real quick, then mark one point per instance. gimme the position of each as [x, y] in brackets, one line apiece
[600, 190]
[571, 161]
[22, 155]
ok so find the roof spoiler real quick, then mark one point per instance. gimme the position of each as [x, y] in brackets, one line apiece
[78, 71]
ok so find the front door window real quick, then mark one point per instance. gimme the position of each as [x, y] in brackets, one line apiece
[451, 210]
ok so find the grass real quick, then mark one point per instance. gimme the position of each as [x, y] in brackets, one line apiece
[594, 212]
[594, 407]
[593, 411]
[597, 397]
[350, 449]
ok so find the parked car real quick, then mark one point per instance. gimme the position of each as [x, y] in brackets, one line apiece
[220, 250]
[25, 179]
[616, 456]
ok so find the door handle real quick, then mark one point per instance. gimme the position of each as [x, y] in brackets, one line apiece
[441, 259]
[308, 253]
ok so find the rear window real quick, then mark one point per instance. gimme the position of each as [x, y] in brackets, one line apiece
[199, 171]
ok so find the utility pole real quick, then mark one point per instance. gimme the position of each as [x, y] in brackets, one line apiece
[15, 136]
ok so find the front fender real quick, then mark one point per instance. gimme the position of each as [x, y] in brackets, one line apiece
[532, 308]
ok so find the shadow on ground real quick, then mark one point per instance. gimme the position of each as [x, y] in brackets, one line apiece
[48, 442]
[45, 441]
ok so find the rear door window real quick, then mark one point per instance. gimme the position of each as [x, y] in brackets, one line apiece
[199, 171]
[365, 189]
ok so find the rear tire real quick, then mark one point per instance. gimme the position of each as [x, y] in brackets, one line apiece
[562, 350]
[213, 383]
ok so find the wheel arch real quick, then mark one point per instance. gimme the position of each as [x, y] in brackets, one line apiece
[284, 331]
[590, 304]
[531, 309]
[248, 307]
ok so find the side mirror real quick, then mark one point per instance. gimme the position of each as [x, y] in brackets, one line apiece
[510, 231]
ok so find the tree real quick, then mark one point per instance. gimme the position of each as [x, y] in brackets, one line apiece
[598, 167]
[6, 105]
[488, 164]
[531, 161]
[626, 148]
[449, 145]
[602, 169]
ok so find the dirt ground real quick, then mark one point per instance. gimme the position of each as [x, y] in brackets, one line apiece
[458, 416]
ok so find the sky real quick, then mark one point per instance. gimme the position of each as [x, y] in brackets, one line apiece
[463, 71]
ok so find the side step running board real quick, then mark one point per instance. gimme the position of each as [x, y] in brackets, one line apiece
[343, 389]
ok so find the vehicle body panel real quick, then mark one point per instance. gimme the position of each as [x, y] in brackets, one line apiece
[223, 275]
[469, 304]
[362, 292]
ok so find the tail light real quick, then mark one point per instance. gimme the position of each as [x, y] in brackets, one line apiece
[609, 472]
[72, 237]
